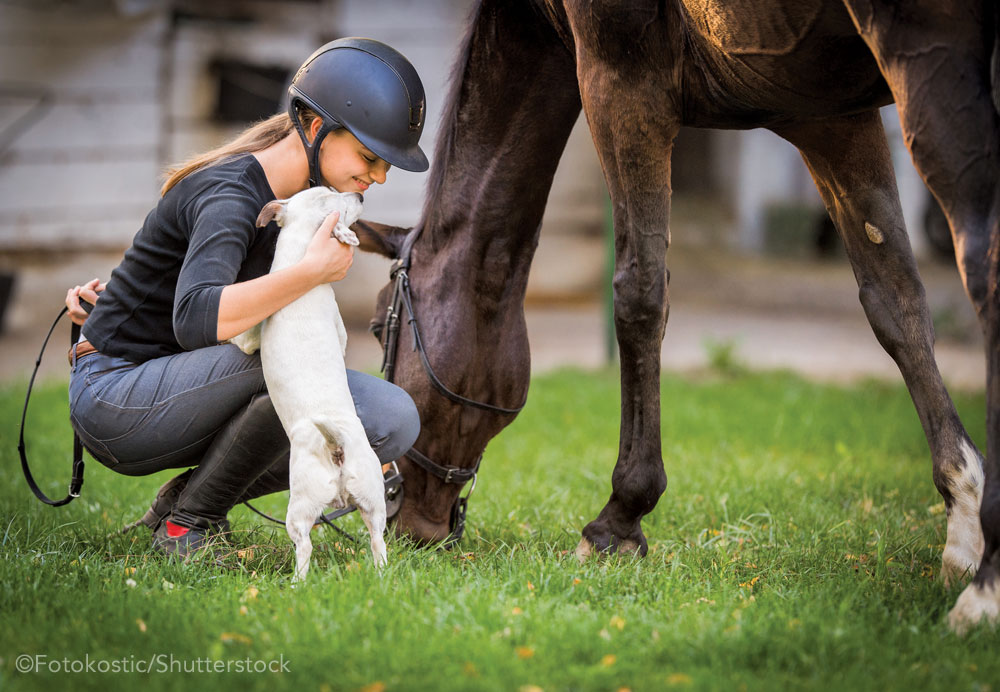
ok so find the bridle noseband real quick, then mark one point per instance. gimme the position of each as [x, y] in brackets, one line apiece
[402, 298]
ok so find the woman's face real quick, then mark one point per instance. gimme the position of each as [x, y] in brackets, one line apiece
[348, 165]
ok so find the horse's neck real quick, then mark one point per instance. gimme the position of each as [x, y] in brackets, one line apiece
[514, 103]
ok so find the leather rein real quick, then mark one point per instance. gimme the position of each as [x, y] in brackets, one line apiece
[402, 299]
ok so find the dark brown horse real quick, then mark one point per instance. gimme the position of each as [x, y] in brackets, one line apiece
[813, 71]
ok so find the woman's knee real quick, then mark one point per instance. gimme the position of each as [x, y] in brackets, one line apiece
[389, 416]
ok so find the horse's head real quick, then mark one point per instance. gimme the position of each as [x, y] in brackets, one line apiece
[455, 423]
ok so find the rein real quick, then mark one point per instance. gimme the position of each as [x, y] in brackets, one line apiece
[402, 298]
[76, 482]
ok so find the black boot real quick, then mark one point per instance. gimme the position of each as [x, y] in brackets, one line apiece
[163, 503]
[273, 480]
[246, 447]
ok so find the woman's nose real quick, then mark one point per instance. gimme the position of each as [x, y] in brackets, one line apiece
[379, 171]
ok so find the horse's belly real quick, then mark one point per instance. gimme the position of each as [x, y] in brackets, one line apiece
[766, 60]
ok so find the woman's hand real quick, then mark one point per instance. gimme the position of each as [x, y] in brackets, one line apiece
[87, 292]
[327, 259]
[244, 304]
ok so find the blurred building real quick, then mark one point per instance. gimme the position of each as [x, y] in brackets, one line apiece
[98, 96]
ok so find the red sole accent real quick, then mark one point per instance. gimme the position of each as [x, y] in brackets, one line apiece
[174, 531]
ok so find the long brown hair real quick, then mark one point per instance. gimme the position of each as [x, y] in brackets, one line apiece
[258, 136]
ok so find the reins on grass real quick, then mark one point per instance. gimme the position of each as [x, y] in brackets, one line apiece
[76, 481]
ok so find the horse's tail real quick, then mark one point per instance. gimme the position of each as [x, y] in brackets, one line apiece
[995, 61]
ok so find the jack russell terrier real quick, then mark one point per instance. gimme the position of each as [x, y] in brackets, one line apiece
[302, 353]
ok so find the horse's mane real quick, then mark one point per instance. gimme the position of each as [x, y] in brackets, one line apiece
[449, 120]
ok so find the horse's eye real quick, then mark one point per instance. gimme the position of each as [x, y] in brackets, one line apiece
[376, 329]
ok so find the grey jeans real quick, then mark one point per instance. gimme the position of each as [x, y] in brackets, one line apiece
[164, 413]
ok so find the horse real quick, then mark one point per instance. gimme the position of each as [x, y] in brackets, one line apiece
[813, 71]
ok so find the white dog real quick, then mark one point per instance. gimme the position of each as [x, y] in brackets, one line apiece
[302, 352]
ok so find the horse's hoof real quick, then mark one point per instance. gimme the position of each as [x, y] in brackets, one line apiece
[602, 541]
[959, 563]
[976, 605]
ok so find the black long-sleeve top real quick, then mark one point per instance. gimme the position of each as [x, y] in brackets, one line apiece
[201, 237]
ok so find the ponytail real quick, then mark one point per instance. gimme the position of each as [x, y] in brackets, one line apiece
[256, 137]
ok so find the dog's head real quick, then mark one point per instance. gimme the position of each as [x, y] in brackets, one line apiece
[311, 207]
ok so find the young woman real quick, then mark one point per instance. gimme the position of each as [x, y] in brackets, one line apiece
[153, 385]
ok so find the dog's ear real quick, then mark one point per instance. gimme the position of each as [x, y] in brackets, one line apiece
[379, 238]
[272, 211]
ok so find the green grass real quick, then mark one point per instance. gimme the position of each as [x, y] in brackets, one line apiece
[797, 547]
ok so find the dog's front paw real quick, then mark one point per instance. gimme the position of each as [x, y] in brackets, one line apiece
[248, 341]
[345, 235]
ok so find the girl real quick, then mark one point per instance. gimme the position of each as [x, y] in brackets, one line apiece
[153, 386]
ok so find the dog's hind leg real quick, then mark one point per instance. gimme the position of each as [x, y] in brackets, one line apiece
[373, 514]
[307, 498]
[366, 487]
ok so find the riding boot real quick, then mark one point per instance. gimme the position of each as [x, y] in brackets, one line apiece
[163, 503]
[250, 443]
[273, 480]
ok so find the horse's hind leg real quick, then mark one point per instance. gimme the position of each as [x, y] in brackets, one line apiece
[936, 59]
[635, 157]
[849, 160]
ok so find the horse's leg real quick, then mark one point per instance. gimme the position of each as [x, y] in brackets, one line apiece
[635, 157]
[936, 59]
[850, 162]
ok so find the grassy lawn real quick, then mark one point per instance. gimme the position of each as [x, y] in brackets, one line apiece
[797, 547]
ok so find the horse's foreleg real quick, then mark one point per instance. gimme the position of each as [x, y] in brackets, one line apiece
[850, 162]
[635, 157]
[936, 59]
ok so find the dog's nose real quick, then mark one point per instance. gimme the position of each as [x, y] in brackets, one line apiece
[361, 197]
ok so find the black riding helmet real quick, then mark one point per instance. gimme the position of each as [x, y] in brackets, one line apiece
[368, 88]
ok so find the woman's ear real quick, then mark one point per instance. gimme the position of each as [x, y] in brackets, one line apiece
[314, 128]
[379, 238]
[274, 210]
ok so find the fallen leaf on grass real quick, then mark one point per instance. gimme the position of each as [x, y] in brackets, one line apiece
[235, 637]
[679, 679]
[142, 625]
[609, 660]
[524, 652]
[377, 686]
[617, 621]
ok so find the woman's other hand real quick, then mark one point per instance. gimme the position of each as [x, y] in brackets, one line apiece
[87, 292]
[327, 258]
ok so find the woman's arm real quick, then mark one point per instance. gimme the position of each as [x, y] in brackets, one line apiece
[244, 304]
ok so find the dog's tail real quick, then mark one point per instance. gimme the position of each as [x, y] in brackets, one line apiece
[333, 439]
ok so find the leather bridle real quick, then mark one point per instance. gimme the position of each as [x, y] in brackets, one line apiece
[402, 299]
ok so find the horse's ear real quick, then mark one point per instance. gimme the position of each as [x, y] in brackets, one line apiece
[273, 210]
[379, 238]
